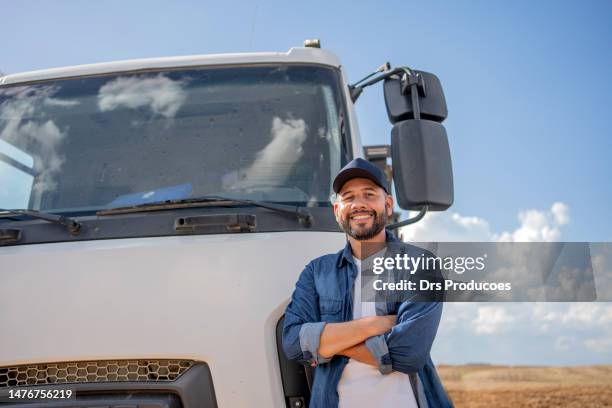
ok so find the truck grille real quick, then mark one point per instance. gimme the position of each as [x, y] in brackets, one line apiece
[93, 371]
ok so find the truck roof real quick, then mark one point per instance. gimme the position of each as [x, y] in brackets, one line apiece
[294, 55]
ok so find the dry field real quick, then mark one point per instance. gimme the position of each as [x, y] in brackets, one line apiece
[480, 386]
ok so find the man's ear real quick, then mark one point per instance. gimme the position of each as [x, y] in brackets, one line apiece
[335, 207]
[389, 204]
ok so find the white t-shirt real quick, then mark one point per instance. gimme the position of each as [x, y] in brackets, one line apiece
[362, 385]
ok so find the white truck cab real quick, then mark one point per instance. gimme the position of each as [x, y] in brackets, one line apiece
[155, 216]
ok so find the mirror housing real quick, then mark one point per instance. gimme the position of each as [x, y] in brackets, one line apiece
[431, 98]
[422, 170]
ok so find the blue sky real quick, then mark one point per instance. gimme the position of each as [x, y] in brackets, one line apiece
[527, 83]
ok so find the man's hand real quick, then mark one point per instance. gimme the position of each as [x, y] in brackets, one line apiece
[341, 336]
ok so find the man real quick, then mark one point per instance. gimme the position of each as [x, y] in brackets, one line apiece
[365, 354]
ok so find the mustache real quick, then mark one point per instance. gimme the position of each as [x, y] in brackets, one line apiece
[360, 212]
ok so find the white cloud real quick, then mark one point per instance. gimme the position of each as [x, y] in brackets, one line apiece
[601, 345]
[543, 316]
[25, 127]
[160, 94]
[447, 227]
[560, 212]
[275, 161]
[535, 226]
[539, 226]
[533, 315]
[601, 313]
[492, 319]
[583, 328]
[459, 315]
[605, 318]
[581, 314]
[48, 162]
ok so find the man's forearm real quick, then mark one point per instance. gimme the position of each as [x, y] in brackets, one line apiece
[360, 353]
[341, 336]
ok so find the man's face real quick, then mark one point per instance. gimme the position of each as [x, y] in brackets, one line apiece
[362, 208]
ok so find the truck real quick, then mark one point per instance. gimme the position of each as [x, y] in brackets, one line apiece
[156, 213]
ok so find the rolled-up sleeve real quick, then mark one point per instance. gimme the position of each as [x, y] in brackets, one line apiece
[302, 327]
[310, 336]
[377, 345]
[406, 347]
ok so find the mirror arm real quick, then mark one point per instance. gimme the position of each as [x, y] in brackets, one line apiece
[357, 89]
[412, 220]
[411, 83]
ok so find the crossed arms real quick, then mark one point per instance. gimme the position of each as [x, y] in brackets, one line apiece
[401, 343]
[348, 338]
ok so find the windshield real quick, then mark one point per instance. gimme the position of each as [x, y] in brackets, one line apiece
[269, 133]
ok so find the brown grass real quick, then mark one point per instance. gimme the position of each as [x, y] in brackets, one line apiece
[479, 386]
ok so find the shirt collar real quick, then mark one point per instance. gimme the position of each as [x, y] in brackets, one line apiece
[347, 254]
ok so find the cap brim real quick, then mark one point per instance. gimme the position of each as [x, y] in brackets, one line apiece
[349, 174]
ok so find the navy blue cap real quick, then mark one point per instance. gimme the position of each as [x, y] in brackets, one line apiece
[360, 168]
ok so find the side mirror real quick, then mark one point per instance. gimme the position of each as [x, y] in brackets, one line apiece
[421, 162]
[422, 170]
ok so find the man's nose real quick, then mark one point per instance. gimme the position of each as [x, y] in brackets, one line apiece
[358, 204]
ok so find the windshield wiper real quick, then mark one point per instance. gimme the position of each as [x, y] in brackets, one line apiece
[73, 226]
[302, 214]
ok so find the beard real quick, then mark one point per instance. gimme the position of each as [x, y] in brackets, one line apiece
[379, 223]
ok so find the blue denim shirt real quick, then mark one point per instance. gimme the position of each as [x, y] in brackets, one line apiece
[323, 294]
